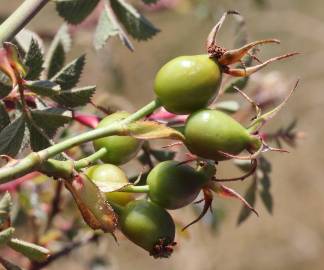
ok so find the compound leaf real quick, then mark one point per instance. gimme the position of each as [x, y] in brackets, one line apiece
[160, 155]
[240, 83]
[34, 61]
[250, 197]
[105, 29]
[43, 88]
[75, 97]
[50, 119]
[135, 23]
[4, 116]
[55, 57]
[70, 75]
[148, 2]
[75, 11]
[11, 137]
[4, 90]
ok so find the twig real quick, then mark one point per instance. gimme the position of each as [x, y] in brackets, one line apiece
[65, 251]
[56, 205]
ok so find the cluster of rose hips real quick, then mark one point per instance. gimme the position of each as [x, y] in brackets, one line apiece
[185, 85]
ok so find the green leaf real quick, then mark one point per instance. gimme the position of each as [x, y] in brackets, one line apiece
[240, 83]
[75, 97]
[6, 235]
[34, 61]
[70, 75]
[55, 57]
[31, 251]
[230, 106]
[265, 193]
[11, 137]
[43, 88]
[244, 165]
[4, 90]
[50, 119]
[105, 29]
[9, 265]
[75, 11]
[265, 165]
[57, 61]
[265, 184]
[162, 155]
[4, 116]
[250, 197]
[148, 130]
[135, 23]
[150, 1]
[38, 139]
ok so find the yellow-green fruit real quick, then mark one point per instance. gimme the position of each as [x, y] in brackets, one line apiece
[110, 176]
[210, 132]
[188, 83]
[120, 149]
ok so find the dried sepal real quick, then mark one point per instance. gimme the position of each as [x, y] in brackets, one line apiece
[260, 121]
[208, 199]
[230, 193]
[251, 171]
[245, 72]
[96, 212]
[228, 57]
[233, 56]
[211, 40]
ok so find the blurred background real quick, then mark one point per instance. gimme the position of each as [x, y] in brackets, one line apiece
[293, 236]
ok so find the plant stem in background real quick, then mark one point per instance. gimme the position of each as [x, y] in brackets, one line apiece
[20, 18]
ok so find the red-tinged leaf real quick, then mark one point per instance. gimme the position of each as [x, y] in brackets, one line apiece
[230, 193]
[6, 68]
[96, 212]
[148, 130]
[14, 59]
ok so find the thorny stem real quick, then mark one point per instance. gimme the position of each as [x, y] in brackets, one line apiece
[35, 159]
[20, 18]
